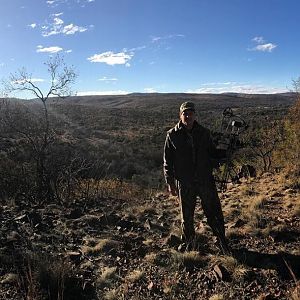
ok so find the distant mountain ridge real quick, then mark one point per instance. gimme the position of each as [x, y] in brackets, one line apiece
[160, 100]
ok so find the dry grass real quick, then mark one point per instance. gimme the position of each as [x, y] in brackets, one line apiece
[296, 211]
[151, 258]
[170, 285]
[247, 190]
[143, 211]
[112, 294]
[115, 188]
[252, 212]
[10, 278]
[216, 297]
[188, 259]
[135, 275]
[148, 242]
[295, 295]
[257, 202]
[237, 270]
[107, 275]
[233, 232]
[161, 259]
[99, 246]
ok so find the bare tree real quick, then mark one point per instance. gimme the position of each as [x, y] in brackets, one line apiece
[61, 79]
[264, 141]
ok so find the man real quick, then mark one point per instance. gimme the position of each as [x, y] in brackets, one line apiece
[188, 173]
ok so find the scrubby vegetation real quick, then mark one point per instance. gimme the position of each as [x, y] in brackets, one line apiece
[100, 226]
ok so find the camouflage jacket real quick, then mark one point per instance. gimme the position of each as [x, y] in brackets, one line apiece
[188, 154]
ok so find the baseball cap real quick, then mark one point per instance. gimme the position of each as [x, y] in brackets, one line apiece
[187, 106]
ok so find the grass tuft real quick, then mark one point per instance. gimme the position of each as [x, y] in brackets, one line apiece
[101, 246]
[135, 275]
[189, 260]
[216, 297]
[237, 270]
[107, 275]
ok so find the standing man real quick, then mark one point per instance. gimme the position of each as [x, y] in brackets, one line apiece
[188, 173]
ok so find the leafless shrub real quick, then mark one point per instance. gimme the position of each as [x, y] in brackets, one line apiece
[33, 128]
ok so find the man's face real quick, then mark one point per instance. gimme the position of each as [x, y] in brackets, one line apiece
[187, 118]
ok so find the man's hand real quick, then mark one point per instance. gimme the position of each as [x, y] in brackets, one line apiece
[172, 189]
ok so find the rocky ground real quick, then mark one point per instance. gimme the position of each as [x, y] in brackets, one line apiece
[128, 249]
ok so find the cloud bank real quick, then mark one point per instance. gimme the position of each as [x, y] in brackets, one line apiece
[100, 93]
[235, 87]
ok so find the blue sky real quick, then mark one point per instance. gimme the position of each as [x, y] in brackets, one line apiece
[124, 46]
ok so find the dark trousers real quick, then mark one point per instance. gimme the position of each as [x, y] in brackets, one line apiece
[211, 206]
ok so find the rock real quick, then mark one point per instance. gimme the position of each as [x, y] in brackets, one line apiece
[150, 285]
[109, 220]
[10, 278]
[147, 224]
[74, 256]
[221, 273]
[13, 236]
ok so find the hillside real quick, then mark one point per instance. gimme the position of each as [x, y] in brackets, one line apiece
[94, 221]
[127, 248]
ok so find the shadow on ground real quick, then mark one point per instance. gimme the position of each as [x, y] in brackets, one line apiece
[285, 264]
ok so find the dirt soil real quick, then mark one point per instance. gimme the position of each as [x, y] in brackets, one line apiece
[130, 249]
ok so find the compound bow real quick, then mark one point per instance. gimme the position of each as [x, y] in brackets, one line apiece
[232, 126]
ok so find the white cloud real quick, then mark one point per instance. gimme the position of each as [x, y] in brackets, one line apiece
[69, 51]
[71, 29]
[150, 90]
[111, 58]
[238, 88]
[57, 27]
[92, 93]
[258, 39]
[53, 49]
[58, 14]
[33, 25]
[262, 45]
[265, 47]
[33, 80]
[81, 3]
[135, 49]
[218, 83]
[107, 79]
[166, 37]
[155, 39]
[57, 21]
